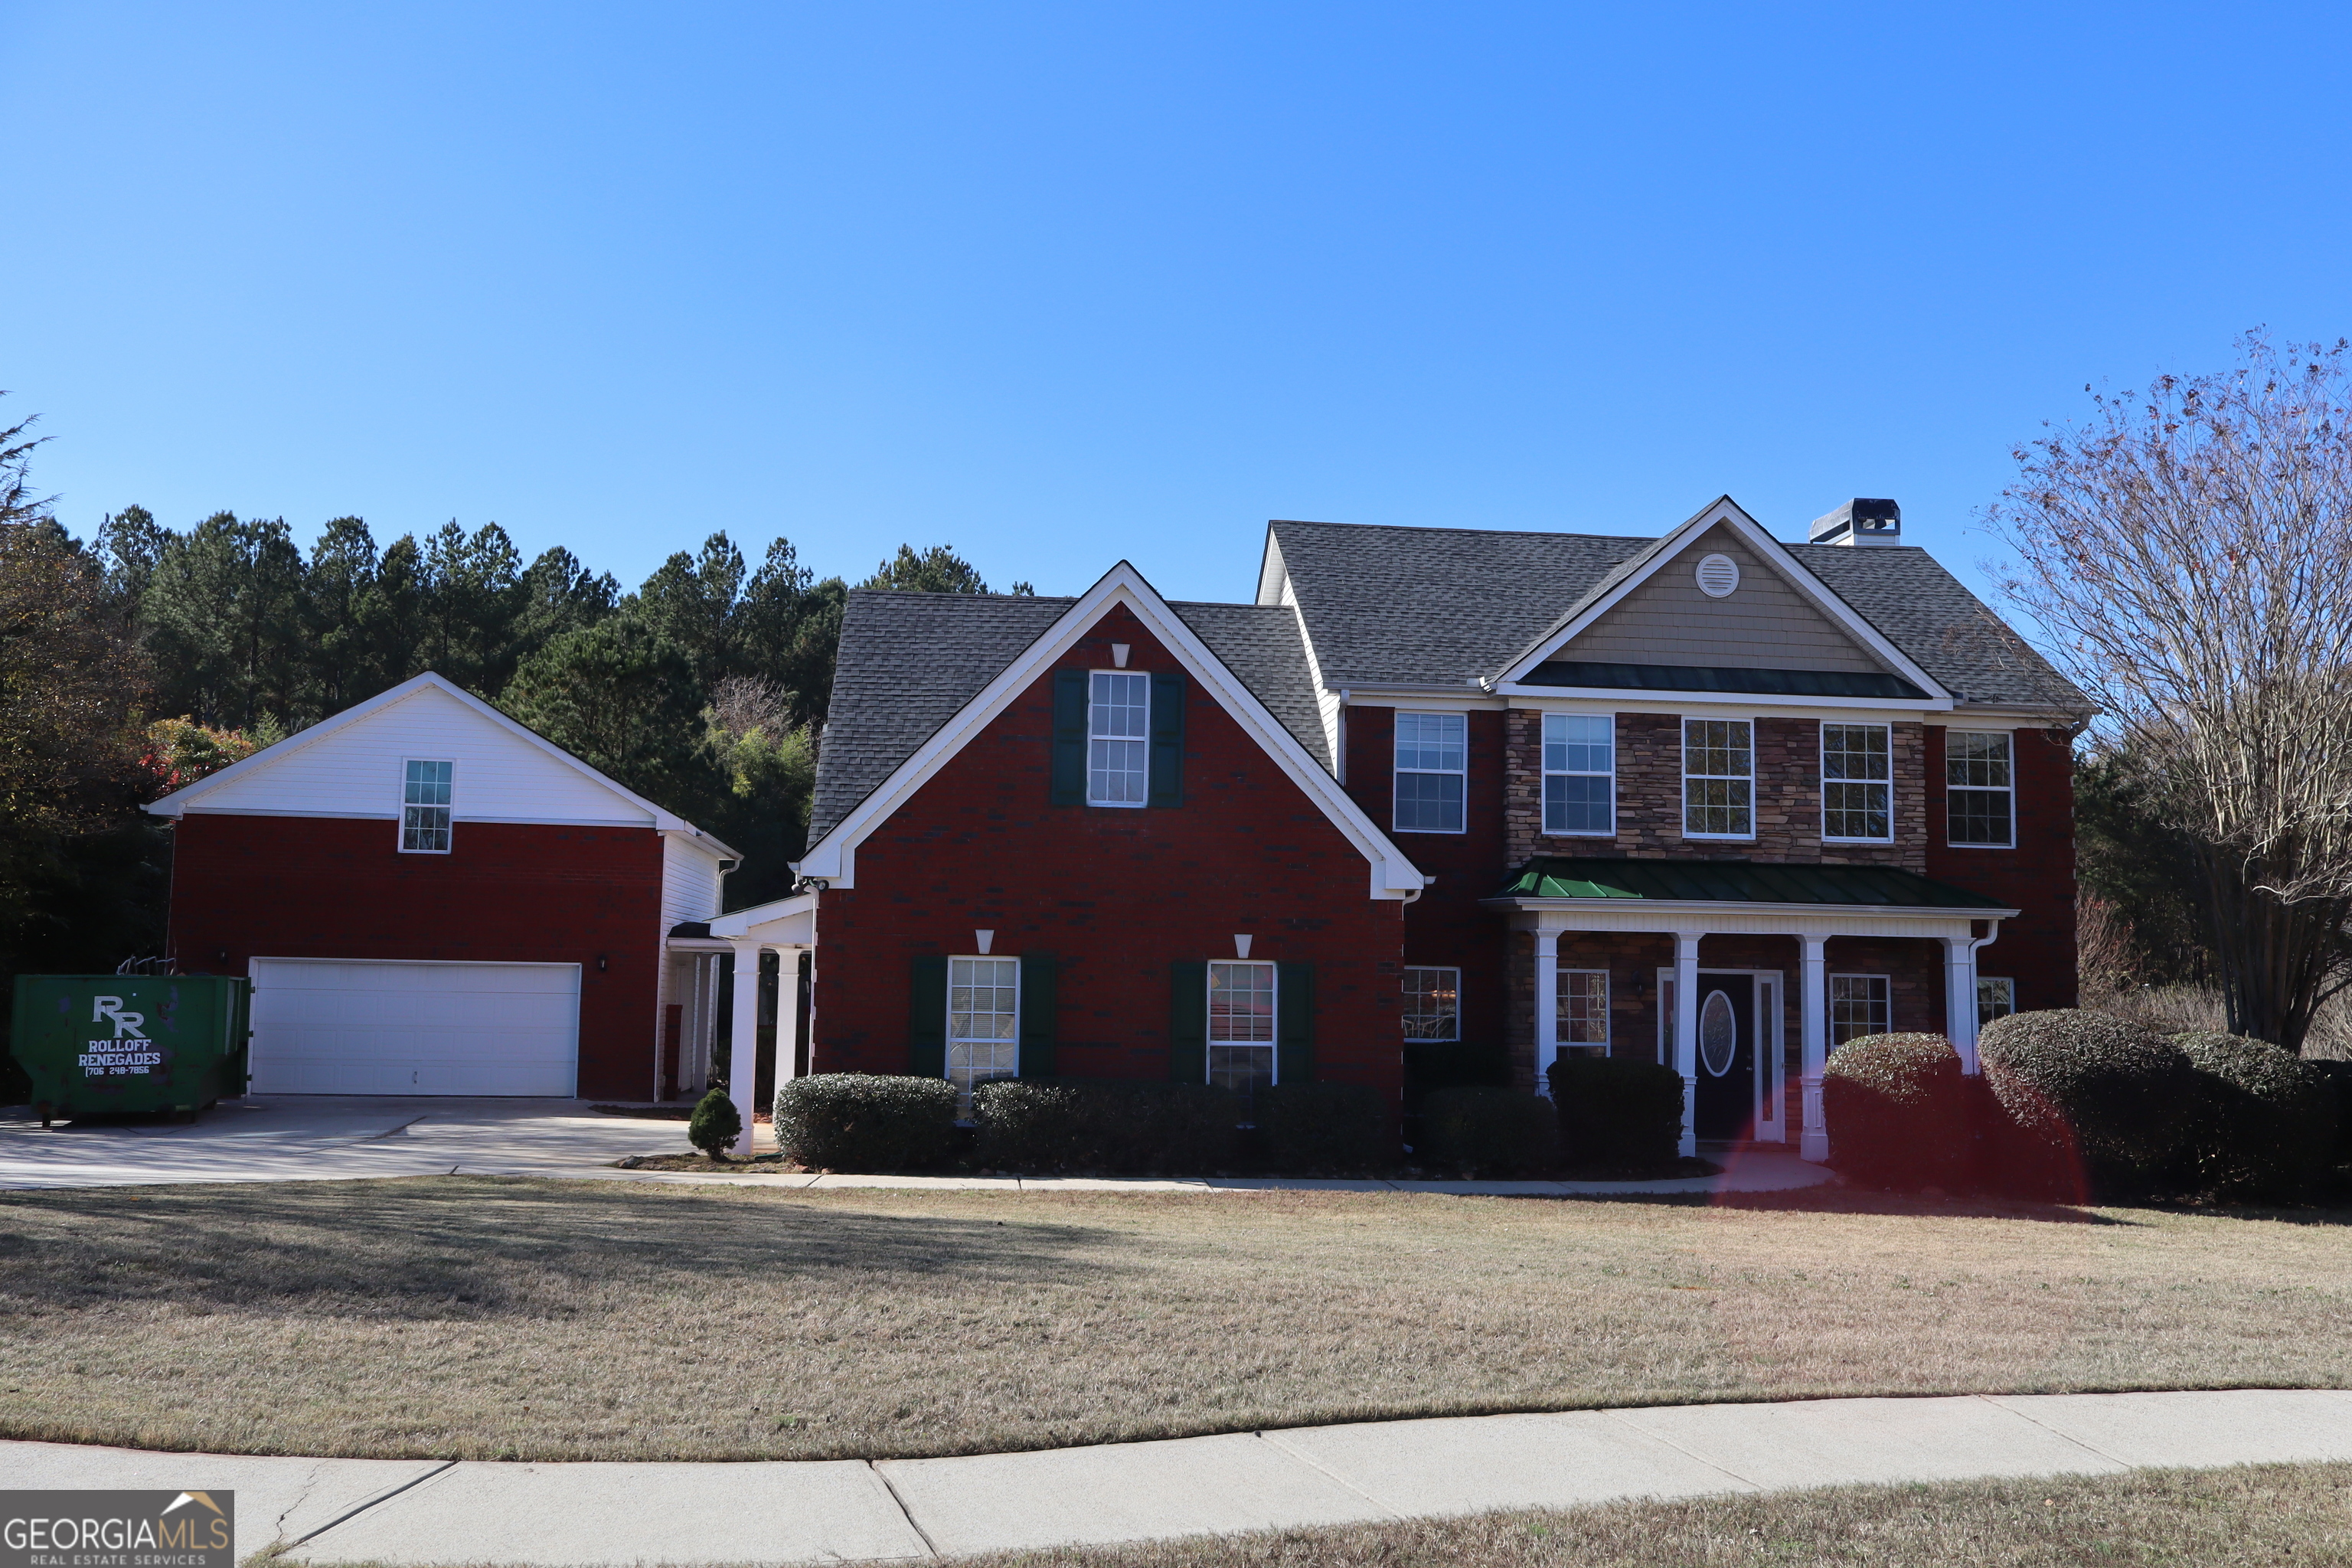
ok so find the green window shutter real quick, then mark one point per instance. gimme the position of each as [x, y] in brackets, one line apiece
[1069, 737]
[926, 1018]
[1167, 738]
[1294, 1023]
[1188, 1022]
[1038, 971]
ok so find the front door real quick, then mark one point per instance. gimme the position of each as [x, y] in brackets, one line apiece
[1726, 1104]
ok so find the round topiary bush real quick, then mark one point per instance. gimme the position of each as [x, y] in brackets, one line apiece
[715, 1124]
[866, 1122]
[2114, 1093]
[1617, 1113]
[2262, 1123]
[1489, 1131]
[1897, 1111]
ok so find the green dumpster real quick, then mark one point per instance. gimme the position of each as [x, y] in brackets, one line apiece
[127, 1043]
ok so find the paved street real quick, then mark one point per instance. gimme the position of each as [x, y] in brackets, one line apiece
[331, 1511]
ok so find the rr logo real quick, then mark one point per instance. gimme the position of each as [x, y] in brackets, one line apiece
[127, 1025]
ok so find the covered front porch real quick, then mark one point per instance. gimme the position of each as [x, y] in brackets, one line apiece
[787, 927]
[1612, 944]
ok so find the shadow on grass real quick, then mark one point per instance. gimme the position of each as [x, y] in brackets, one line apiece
[432, 1248]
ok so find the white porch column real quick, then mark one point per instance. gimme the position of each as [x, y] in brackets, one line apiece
[743, 1048]
[1686, 1032]
[788, 1013]
[1815, 1143]
[1546, 1007]
[1961, 998]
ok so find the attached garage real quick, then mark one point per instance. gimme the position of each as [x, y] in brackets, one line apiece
[323, 1026]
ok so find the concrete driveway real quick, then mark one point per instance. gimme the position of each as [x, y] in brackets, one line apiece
[292, 1137]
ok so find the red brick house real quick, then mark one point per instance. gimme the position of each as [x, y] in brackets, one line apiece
[432, 899]
[1517, 791]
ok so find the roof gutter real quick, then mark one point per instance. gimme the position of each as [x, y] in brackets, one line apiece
[1673, 906]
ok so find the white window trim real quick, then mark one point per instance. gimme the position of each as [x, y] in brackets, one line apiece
[1452, 1039]
[1829, 1001]
[1091, 737]
[1822, 744]
[946, 1027]
[1608, 1012]
[452, 808]
[1984, 980]
[2010, 790]
[1272, 1044]
[1395, 772]
[1681, 763]
[1544, 775]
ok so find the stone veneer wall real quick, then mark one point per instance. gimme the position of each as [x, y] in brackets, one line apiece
[1787, 797]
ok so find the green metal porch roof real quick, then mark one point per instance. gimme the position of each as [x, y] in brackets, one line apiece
[1738, 882]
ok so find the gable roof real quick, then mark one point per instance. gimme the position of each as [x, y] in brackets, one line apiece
[1433, 608]
[194, 796]
[916, 681]
[908, 662]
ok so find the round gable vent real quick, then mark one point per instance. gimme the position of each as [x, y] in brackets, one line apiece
[1717, 575]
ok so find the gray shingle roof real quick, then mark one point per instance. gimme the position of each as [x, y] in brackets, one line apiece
[909, 662]
[1447, 606]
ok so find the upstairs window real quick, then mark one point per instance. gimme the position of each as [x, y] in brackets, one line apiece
[424, 808]
[1858, 784]
[1980, 791]
[1431, 771]
[1580, 773]
[1718, 778]
[1119, 739]
[1433, 1003]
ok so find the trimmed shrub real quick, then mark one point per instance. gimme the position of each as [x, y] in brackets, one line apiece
[1617, 1112]
[1432, 1066]
[1316, 1128]
[2262, 1123]
[2338, 1073]
[866, 1122]
[1128, 1127]
[2113, 1092]
[1897, 1111]
[715, 1124]
[1491, 1131]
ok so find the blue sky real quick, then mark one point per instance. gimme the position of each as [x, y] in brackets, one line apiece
[1060, 284]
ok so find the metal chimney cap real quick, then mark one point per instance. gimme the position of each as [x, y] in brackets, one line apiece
[1866, 519]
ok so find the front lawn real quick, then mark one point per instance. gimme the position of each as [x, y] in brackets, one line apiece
[2268, 1515]
[483, 1318]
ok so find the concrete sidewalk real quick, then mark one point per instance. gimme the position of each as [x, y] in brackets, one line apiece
[356, 1510]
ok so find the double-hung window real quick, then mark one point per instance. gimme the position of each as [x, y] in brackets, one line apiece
[425, 807]
[1119, 739]
[1433, 1003]
[1241, 1026]
[1980, 791]
[1858, 784]
[983, 1023]
[1859, 1005]
[1431, 771]
[1583, 1007]
[1995, 999]
[1580, 773]
[1718, 778]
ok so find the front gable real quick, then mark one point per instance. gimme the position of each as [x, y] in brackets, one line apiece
[1078, 641]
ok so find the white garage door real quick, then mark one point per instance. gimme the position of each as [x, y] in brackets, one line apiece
[350, 1027]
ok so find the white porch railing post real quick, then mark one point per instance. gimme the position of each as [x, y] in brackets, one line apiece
[1815, 1143]
[1960, 999]
[743, 1048]
[1686, 1032]
[1546, 1007]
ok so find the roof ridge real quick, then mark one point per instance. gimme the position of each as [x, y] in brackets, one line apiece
[1451, 528]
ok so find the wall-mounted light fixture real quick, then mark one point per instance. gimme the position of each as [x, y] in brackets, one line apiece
[602, 963]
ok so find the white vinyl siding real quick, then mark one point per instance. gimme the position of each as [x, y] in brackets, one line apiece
[1431, 771]
[1433, 1003]
[1580, 773]
[1718, 778]
[1979, 790]
[1858, 784]
[1119, 738]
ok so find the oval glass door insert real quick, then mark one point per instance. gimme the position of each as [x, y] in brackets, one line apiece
[1718, 1034]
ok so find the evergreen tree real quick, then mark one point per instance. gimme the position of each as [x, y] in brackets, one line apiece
[224, 621]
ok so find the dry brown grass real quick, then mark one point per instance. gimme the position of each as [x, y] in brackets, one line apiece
[563, 1319]
[2271, 1515]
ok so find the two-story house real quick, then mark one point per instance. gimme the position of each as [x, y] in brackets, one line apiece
[1510, 789]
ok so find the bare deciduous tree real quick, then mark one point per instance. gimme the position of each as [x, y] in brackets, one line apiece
[2191, 552]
